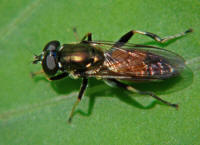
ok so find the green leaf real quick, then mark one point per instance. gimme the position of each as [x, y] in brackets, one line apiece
[35, 111]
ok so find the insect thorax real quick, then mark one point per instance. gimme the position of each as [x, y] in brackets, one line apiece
[80, 57]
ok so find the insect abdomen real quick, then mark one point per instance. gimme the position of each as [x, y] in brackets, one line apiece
[159, 67]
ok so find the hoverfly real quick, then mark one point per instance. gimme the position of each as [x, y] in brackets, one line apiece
[123, 61]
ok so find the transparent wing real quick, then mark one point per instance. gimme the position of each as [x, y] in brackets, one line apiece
[137, 62]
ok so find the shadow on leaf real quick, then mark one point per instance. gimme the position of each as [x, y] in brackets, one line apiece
[100, 89]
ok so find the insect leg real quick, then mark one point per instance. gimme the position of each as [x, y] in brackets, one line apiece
[128, 35]
[60, 76]
[88, 35]
[33, 74]
[124, 39]
[81, 92]
[131, 89]
[76, 34]
[162, 40]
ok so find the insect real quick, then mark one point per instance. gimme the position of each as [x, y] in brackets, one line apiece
[123, 61]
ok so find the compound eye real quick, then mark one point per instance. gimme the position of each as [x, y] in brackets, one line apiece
[52, 46]
[49, 64]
